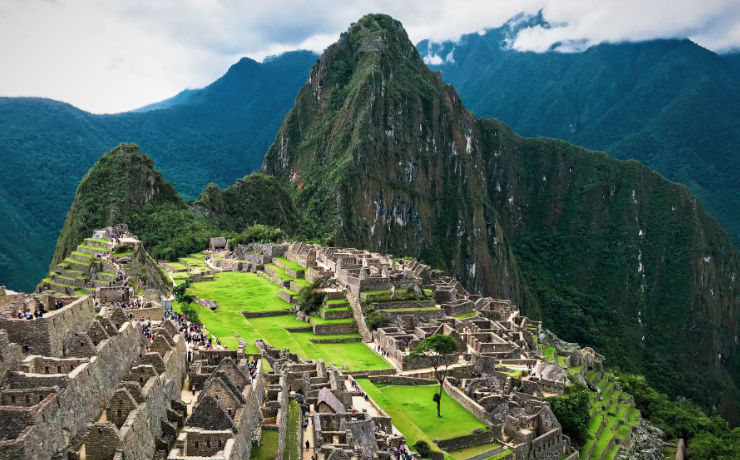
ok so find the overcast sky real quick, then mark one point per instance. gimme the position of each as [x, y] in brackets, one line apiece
[110, 56]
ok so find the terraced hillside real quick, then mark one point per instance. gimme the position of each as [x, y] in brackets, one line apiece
[257, 305]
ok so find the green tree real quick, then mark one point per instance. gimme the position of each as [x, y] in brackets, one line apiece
[180, 289]
[707, 445]
[376, 319]
[437, 349]
[309, 299]
[572, 411]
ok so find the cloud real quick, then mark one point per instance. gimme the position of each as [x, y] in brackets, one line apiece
[714, 24]
[108, 56]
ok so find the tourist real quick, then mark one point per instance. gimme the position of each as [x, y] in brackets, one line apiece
[29, 315]
[308, 445]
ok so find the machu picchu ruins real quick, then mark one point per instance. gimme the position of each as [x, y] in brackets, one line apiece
[146, 382]
[339, 257]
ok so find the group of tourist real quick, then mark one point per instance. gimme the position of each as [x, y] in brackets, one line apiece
[252, 365]
[193, 333]
[129, 304]
[38, 312]
[146, 329]
[400, 453]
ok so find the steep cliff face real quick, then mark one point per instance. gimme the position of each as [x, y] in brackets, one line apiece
[382, 154]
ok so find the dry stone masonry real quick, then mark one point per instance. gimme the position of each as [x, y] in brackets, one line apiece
[107, 372]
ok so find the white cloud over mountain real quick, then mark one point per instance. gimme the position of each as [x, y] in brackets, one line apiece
[108, 56]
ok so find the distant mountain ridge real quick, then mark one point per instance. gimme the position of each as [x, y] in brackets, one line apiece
[670, 104]
[216, 134]
[219, 133]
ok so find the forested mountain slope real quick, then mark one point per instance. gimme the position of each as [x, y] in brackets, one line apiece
[670, 104]
[216, 134]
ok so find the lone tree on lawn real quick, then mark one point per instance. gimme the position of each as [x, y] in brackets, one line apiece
[437, 348]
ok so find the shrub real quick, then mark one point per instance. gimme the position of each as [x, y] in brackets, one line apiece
[309, 299]
[422, 448]
[258, 234]
[376, 319]
[572, 411]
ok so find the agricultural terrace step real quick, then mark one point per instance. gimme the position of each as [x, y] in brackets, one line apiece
[63, 288]
[290, 268]
[107, 276]
[334, 326]
[81, 256]
[100, 243]
[71, 273]
[338, 303]
[76, 282]
[77, 265]
[335, 313]
[91, 249]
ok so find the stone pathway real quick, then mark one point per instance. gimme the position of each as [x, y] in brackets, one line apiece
[308, 435]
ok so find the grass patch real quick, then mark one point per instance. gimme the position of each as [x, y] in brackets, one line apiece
[236, 292]
[320, 320]
[177, 265]
[337, 302]
[387, 291]
[549, 354]
[301, 282]
[293, 449]
[469, 314]
[473, 451]
[268, 448]
[414, 412]
[290, 264]
[410, 309]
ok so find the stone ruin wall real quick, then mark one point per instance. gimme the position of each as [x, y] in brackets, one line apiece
[82, 396]
[48, 335]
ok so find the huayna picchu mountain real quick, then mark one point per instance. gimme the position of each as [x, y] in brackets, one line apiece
[124, 187]
[379, 152]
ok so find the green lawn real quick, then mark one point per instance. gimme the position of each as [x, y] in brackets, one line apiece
[267, 450]
[279, 272]
[473, 451]
[320, 320]
[386, 291]
[290, 264]
[549, 353]
[469, 314]
[177, 265]
[414, 412]
[236, 292]
[293, 447]
[337, 302]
